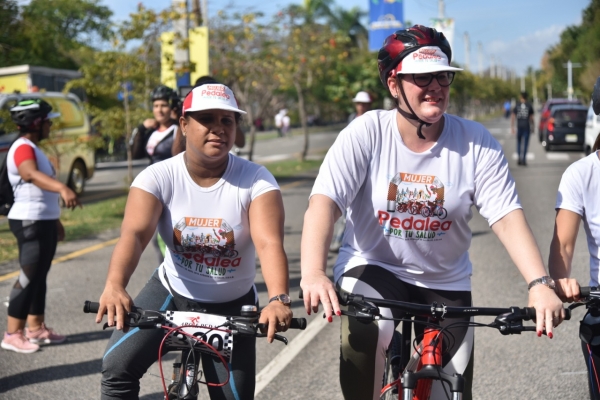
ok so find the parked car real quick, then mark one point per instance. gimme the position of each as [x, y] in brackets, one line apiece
[565, 127]
[592, 130]
[68, 146]
[546, 110]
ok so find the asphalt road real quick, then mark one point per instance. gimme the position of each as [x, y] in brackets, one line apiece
[524, 367]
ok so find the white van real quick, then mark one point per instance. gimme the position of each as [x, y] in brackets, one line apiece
[68, 147]
[592, 130]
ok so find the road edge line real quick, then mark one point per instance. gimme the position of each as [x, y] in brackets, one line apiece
[284, 357]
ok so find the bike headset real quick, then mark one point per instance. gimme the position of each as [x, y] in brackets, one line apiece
[400, 44]
[29, 115]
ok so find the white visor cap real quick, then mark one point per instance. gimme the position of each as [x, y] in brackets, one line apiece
[210, 97]
[362, 97]
[424, 60]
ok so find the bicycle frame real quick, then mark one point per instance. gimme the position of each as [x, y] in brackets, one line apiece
[421, 367]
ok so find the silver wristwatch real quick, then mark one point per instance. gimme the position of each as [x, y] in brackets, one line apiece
[544, 280]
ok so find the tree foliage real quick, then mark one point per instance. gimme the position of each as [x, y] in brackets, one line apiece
[580, 44]
[50, 32]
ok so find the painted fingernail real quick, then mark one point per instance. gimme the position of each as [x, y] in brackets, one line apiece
[308, 312]
[330, 319]
[339, 313]
[550, 335]
[539, 334]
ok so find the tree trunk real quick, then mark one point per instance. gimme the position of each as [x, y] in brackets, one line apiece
[302, 112]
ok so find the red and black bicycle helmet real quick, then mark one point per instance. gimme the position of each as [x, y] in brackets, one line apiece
[403, 42]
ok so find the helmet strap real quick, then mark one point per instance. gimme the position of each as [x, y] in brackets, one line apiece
[412, 115]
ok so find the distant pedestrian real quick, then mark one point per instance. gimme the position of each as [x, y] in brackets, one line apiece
[279, 121]
[523, 113]
[34, 220]
[362, 103]
[285, 124]
[507, 109]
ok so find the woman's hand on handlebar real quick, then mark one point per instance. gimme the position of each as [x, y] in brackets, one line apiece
[567, 290]
[115, 303]
[277, 317]
[549, 309]
[316, 288]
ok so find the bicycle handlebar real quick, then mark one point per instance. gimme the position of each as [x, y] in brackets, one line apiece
[508, 320]
[148, 319]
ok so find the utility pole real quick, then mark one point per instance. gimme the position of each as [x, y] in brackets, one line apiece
[441, 12]
[534, 90]
[569, 65]
[492, 67]
[549, 87]
[480, 58]
[522, 83]
[467, 51]
[181, 57]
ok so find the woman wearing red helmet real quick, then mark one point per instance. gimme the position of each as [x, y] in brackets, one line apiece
[402, 241]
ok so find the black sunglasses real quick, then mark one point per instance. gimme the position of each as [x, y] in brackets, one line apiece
[444, 78]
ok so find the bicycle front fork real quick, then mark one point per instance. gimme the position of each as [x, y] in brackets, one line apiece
[410, 379]
[184, 383]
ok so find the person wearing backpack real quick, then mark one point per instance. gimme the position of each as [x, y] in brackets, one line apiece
[34, 220]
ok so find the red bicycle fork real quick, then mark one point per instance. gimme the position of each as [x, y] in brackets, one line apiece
[416, 385]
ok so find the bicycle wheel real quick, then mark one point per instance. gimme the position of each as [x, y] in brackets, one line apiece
[392, 368]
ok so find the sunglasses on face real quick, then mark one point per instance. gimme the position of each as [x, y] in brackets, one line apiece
[444, 79]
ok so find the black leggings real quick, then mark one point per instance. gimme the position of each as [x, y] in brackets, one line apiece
[37, 244]
[363, 346]
[129, 355]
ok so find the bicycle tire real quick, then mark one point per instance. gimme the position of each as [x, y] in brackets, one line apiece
[392, 367]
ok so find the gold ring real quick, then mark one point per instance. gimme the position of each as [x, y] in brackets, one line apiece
[282, 324]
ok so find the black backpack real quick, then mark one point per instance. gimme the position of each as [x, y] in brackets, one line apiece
[7, 193]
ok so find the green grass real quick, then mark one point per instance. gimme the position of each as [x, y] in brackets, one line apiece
[79, 223]
[289, 168]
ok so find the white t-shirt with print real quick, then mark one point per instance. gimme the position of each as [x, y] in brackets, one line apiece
[210, 256]
[578, 192]
[409, 212]
[31, 202]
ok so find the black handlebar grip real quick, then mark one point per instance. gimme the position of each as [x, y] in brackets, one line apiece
[91, 307]
[529, 313]
[300, 294]
[298, 323]
[585, 291]
[567, 314]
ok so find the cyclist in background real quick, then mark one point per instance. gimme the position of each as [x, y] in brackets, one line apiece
[154, 137]
[577, 200]
[34, 220]
[200, 193]
[414, 155]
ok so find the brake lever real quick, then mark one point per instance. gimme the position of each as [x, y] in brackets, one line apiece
[282, 339]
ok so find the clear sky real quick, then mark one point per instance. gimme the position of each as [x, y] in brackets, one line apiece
[515, 33]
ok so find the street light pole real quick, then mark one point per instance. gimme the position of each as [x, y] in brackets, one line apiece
[570, 65]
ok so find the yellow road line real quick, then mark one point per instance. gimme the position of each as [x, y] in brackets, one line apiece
[67, 257]
[99, 246]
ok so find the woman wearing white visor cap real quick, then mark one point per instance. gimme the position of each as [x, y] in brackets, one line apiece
[408, 178]
[215, 211]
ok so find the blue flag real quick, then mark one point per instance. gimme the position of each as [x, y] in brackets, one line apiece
[385, 18]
